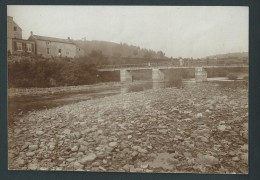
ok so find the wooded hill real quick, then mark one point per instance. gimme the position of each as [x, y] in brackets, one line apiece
[235, 55]
[111, 49]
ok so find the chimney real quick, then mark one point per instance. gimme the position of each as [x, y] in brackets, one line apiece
[31, 33]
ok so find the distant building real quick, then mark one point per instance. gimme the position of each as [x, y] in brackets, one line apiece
[15, 43]
[181, 61]
[55, 47]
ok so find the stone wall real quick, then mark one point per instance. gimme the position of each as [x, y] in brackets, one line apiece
[67, 50]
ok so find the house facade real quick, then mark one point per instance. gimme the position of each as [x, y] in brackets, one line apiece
[55, 47]
[15, 43]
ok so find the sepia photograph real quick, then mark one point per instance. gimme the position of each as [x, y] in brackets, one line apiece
[134, 89]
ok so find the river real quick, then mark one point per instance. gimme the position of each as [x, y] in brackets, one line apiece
[20, 105]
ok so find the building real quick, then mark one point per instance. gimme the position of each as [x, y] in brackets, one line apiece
[15, 43]
[55, 47]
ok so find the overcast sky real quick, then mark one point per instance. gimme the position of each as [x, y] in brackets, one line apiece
[177, 30]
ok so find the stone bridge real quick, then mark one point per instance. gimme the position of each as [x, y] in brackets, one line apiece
[158, 70]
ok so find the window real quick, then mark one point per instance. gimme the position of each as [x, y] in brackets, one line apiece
[48, 50]
[29, 47]
[59, 51]
[19, 46]
[15, 28]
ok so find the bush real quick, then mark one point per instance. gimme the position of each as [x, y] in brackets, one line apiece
[48, 73]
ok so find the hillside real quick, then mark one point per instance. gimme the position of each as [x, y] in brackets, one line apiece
[236, 55]
[111, 49]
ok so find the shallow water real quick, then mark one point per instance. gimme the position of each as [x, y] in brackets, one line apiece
[23, 104]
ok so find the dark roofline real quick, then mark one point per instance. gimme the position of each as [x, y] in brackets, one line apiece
[52, 39]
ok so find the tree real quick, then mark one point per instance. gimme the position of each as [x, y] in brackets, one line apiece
[160, 54]
[96, 57]
[135, 52]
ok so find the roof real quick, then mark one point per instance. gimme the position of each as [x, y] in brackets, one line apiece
[52, 39]
[11, 19]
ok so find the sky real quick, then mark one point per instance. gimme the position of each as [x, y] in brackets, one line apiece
[179, 31]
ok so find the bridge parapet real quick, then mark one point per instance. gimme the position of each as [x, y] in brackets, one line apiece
[161, 65]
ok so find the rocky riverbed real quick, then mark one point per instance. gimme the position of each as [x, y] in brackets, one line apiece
[201, 128]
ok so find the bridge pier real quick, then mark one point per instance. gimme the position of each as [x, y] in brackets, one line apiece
[200, 74]
[125, 75]
[157, 75]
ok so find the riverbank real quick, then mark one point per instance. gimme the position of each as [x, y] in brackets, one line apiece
[14, 92]
[199, 129]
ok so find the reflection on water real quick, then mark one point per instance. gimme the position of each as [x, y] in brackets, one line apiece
[150, 85]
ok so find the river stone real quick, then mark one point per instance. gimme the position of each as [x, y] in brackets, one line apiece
[244, 157]
[26, 145]
[39, 133]
[29, 154]
[207, 159]
[199, 115]
[70, 159]
[82, 148]
[77, 165]
[75, 148]
[32, 166]
[44, 168]
[52, 147]
[20, 161]
[33, 147]
[113, 144]
[140, 150]
[204, 139]
[163, 131]
[235, 158]
[187, 154]
[135, 153]
[90, 157]
[222, 127]
[17, 131]
[144, 166]
[66, 131]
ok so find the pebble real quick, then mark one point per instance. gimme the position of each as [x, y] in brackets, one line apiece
[33, 147]
[135, 128]
[207, 159]
[39, 133]
[32, 166]
[113, 144]
[235, 158]
[29, 154]
[101, 168]
[88, 158]
[75, 148]
[77, 165]
[20, 161]
[70, 159]
[222, 127]
[199, 115]
[144, 166]
[104, 161]
[51, 147]
[140, 150]
[44, 168]
[66, 131]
